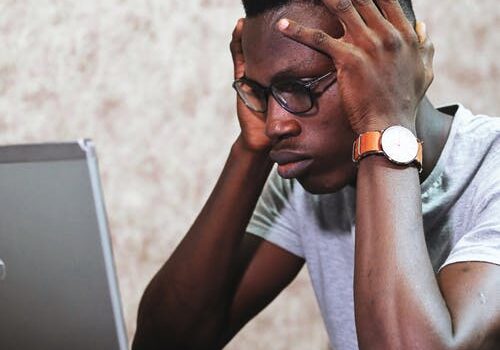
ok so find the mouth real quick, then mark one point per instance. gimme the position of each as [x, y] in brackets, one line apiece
[291, 164]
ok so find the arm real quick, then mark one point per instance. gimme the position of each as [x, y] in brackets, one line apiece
[399, 302]
[218, 278]
[197, 282]
[383, 71]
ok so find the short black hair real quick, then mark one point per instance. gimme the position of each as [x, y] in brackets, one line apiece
[254, 8]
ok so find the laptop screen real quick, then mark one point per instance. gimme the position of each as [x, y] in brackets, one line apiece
[58, 288]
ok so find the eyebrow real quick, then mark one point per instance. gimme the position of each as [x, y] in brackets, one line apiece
[289, 73]
[292, 73]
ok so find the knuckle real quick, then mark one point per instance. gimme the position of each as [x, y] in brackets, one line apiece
[428, 51]
[319, 38]
[362, 2]
[372, 44]
[430, 48]
[392, 41]
[413, 39]
[343, 5]
[355, 60]
[298, 30]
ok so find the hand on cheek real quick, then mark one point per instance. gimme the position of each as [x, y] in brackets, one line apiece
[252, 137]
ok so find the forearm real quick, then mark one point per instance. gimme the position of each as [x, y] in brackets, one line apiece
[197, 281]
[398, 303]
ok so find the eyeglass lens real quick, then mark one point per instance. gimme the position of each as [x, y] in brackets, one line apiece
[292, 96]
[253, 96]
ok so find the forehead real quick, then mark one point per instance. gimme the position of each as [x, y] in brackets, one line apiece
[268, 53]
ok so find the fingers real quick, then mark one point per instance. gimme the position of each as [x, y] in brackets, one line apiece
[237, 50]
[347, 14]
[394, 14]
[357, 14]
[370, 13]
[315, 39]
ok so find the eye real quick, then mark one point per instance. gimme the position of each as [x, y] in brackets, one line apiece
[291, 87]
[306, 80]
[319, 85]
[250, 87]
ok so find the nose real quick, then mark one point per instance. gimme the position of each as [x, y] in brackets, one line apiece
[280, 124]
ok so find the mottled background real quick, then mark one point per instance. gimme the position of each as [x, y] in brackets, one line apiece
[149, 81]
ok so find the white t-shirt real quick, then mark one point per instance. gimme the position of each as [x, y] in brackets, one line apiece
[461, 216]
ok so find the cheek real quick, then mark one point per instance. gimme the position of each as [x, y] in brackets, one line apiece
[330, 107]
[333, 128]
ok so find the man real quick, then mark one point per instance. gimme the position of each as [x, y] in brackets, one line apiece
[333, 92]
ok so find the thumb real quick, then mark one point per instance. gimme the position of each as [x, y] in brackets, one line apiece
[426, 50]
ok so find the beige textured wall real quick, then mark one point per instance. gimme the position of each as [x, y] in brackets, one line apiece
[149, 81]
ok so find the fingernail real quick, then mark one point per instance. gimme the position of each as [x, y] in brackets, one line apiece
[283, 24]
[424, 27]
[420, 26]
[421, 31]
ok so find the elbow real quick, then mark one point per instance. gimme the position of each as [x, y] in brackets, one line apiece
[398, 336]
[155, 332]
[419, 341]
[145, 337]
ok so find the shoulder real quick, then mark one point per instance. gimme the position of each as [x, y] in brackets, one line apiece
[476, 147]
[477, 126]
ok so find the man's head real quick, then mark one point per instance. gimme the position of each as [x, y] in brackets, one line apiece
[323, 135]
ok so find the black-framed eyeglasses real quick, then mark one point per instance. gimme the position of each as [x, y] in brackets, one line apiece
[295, 96]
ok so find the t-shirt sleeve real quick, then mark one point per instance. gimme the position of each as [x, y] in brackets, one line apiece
[482, 241]
[274, 218]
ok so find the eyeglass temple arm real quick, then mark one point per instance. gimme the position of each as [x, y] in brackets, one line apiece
[318, 79]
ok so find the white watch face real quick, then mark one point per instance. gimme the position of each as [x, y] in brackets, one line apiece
[399, 144]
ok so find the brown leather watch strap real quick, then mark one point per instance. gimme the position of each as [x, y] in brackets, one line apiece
[366, 144]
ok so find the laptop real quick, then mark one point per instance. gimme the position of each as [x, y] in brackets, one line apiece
[58, 288]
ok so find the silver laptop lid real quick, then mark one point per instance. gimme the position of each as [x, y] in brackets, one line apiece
[58, 288]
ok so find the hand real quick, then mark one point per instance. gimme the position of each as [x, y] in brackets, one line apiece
[383, 69]
[253, 125]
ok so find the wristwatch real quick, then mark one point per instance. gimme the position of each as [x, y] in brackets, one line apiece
[396, 143]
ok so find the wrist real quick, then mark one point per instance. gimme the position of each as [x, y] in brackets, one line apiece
[242, 147]
[242, 152]
[384, 123]
[378, 161]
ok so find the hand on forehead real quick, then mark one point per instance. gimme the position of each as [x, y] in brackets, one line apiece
[308, 14]
[264, 45]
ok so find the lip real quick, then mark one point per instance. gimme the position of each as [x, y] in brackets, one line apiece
[290, 164]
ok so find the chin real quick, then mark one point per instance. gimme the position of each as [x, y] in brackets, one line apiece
[329, 182]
